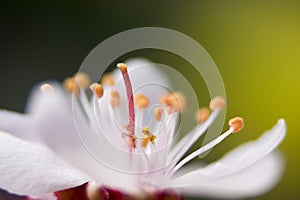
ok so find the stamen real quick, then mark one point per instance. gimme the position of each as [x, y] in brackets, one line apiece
[146, 130]
[179, 101]
[202, 114]
[179, 150]
[141, 101]
[46, 88]
[97, 89]
[217, 103]
[158, 113]
[82, 80]
[115, 100]
[127, 81]
[236, 124]
[70, 86]
[152, 138]
[165, 100]
[147, 137]
[145, 141]
[108, 79]
[174, 102]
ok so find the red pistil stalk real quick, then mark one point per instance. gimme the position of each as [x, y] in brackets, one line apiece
[127, 81]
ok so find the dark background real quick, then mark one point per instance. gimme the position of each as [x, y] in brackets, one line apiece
[255, 44]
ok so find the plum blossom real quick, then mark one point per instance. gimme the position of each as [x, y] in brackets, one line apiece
[103, 146]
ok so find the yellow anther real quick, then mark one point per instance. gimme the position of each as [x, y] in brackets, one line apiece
[123, 67]
[202, 114]
[82, 80]
[152, 138]
[217, 103]
[115, 99]
[158, 113]
[236, 124]
[165, 100]
[146, 131]
[70, 86]
[97, 89]
[174, 102]
[108, 79]
[147, 137]
[141, 101]
[46, 88]
[145, 141]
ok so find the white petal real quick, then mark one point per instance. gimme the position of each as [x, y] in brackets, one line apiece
[54, 121]
[245, 155]
[251, 152]
[240, 159]
[144, 71]
[29, 169]
[187, 142]
[146, 78]
[50, 122]
[249, 182]
[48, 114]
[18, 124]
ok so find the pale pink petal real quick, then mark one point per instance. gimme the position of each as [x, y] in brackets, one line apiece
[21, 125]
[30, 169]
[249, 182]
[241, 160]
[243, 156]
[54, 120]
[49, 121]
[54, 123]
[146, 78]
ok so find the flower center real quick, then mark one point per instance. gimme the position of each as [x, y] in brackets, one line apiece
[154, 141]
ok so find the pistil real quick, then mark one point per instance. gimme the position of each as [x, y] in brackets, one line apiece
[131, 117]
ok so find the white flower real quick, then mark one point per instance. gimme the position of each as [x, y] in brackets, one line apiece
[41, 151]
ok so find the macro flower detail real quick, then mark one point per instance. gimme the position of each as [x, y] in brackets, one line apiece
[116, 140]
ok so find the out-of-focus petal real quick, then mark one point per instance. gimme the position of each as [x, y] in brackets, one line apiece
[248, 182]
[145, 77]
[243, 156]
[49, 121]
[30, 169]
[242, 161]
[54, 122]
[21, 125]
[53, 119]
[251, 152]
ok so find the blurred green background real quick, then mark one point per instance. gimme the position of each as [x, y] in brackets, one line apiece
[255, 44]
